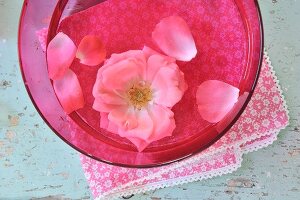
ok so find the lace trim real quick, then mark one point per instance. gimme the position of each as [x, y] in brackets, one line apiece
[277, 83]
[196, 177]
[239, 151]
[177, 181]
[261, 144]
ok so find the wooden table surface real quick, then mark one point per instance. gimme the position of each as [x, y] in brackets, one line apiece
[34, 163]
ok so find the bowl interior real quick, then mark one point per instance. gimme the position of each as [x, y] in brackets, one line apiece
[228, 37]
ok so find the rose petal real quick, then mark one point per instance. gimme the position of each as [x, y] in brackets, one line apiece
[124, 118]
[112, 127]
[144, 128]
[137, 60]
[60, 55]
[232, 113]
[91, 51]
[68, 92]
[163, 125]
[113, 98]
[150, 52]
[102, 106]
[155, 63]
[173, 36]
[140, 144]
[166, 85]
[164, 122]
[106, 95]
[183, 86]
[215, 99]
[106, 124]
[120, 75]
[104, 120]
[115, 58]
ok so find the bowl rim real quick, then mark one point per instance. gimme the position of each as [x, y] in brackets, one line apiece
[221, 134]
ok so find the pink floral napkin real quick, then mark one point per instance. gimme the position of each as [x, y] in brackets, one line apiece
[258, 127]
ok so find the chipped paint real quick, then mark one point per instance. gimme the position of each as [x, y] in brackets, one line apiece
[240, 182]
[294, 152]
[4, 84]
[1, 144]
[9, 151]
[10, 135]
[13, 120]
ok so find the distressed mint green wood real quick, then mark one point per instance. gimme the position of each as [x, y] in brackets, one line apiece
[34, 163]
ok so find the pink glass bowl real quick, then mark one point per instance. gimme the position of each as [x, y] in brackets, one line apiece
[231, 36]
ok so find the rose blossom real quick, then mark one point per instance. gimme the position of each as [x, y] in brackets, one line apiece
[134, 93]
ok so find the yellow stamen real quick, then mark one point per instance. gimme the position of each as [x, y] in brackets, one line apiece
[139, 95]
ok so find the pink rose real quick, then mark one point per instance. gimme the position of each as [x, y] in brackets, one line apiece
[134, 93]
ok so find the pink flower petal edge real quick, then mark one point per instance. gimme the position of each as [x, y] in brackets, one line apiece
[173, 36]
[215, 99]
[232, 113]
[91, 51]
[69, 92]
[60, 55]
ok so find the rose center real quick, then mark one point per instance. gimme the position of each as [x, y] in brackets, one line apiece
[139, 95]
